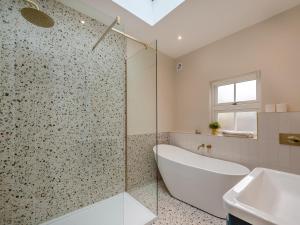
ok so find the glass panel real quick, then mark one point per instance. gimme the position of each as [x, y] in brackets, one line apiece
[141, 125]
[226, 93]
[246, 121]
[226, 120]
[246, 91]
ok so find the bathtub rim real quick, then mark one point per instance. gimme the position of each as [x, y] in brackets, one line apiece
[202, 156]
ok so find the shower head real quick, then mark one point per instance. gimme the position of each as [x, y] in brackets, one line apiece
[36, 16]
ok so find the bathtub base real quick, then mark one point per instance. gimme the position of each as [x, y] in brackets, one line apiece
[232, 220]
[222, 218]
[197, 180]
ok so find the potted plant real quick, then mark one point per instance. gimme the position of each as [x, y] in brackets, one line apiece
[214, 126]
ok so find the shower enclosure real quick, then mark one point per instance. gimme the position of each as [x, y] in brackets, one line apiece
[76, 124]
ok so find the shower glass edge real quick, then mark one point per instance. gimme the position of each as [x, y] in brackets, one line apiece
[142, 125]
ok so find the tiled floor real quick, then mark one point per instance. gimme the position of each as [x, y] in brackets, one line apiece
[171, 210]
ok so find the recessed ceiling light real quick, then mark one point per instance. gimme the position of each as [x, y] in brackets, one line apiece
[82, 21]
[179, 37]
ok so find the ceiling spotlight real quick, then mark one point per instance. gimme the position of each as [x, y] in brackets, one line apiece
[82, 21]
[179, 37]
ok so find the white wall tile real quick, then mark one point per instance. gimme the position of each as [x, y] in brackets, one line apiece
[294, 122]
[219, 149]
[253, 153]
[284, 123]
[234, 152]
[268, 153]
[284, 157]
[268, 126]
[264, 152]
[295, 159]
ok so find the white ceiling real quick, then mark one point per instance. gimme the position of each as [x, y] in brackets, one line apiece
[199, 22]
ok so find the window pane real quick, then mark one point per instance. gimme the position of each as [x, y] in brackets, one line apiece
[226, 93]
[246, 91]
[246, 121]
[226, 120]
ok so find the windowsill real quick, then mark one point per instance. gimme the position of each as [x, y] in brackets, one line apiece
[217, 136]
[221, 135]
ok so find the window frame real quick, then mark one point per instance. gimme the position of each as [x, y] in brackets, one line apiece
[243, 106]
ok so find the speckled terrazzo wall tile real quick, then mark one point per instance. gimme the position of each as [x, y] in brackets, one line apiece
[141, 165]
[61, 114]
[6, 113]
[164, 138]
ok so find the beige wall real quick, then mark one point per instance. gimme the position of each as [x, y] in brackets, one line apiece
[273, 47]
[141, 96]
[166, 93]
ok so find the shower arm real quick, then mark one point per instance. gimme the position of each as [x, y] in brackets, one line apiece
[32, 3]
[116, 21]
[130, 37]
[111, 27]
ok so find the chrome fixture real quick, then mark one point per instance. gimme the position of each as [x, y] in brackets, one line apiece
[111, 27]
[35, 16]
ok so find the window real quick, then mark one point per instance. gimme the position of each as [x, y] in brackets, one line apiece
[236, 101]
[149, 11]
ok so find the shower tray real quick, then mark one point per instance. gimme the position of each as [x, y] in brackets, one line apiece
[121, 209]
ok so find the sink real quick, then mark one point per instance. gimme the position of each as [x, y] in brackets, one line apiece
[265, 197]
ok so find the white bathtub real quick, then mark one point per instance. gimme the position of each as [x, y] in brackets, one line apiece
[197, 180]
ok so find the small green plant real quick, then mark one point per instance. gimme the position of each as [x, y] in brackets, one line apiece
[214, 125]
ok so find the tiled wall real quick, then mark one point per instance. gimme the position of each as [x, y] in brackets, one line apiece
[142, 168]
[141, 165]
[61, 114]
[263, 152]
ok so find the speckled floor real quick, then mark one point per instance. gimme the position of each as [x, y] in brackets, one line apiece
[172, 211]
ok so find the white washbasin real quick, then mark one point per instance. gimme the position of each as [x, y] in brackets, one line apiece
[265, 197]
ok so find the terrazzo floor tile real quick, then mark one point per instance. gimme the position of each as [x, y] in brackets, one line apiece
[172, 211]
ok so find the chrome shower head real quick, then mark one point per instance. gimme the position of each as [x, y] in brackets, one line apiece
[36, 16]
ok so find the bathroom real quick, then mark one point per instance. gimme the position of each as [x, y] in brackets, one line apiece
[121, 112]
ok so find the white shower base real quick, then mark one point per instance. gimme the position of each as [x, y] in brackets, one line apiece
[121, 209]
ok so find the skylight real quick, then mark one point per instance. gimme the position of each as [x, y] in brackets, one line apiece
[150, 11]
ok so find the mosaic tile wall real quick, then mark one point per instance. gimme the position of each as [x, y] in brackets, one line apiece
[141, 165]
[61, 114]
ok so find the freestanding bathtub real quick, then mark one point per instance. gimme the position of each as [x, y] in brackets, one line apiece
[197, 180]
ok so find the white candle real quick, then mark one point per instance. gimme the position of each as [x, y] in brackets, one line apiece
[270, 108]
[282, 107]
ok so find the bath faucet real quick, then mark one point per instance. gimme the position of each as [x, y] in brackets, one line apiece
[201, 146]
